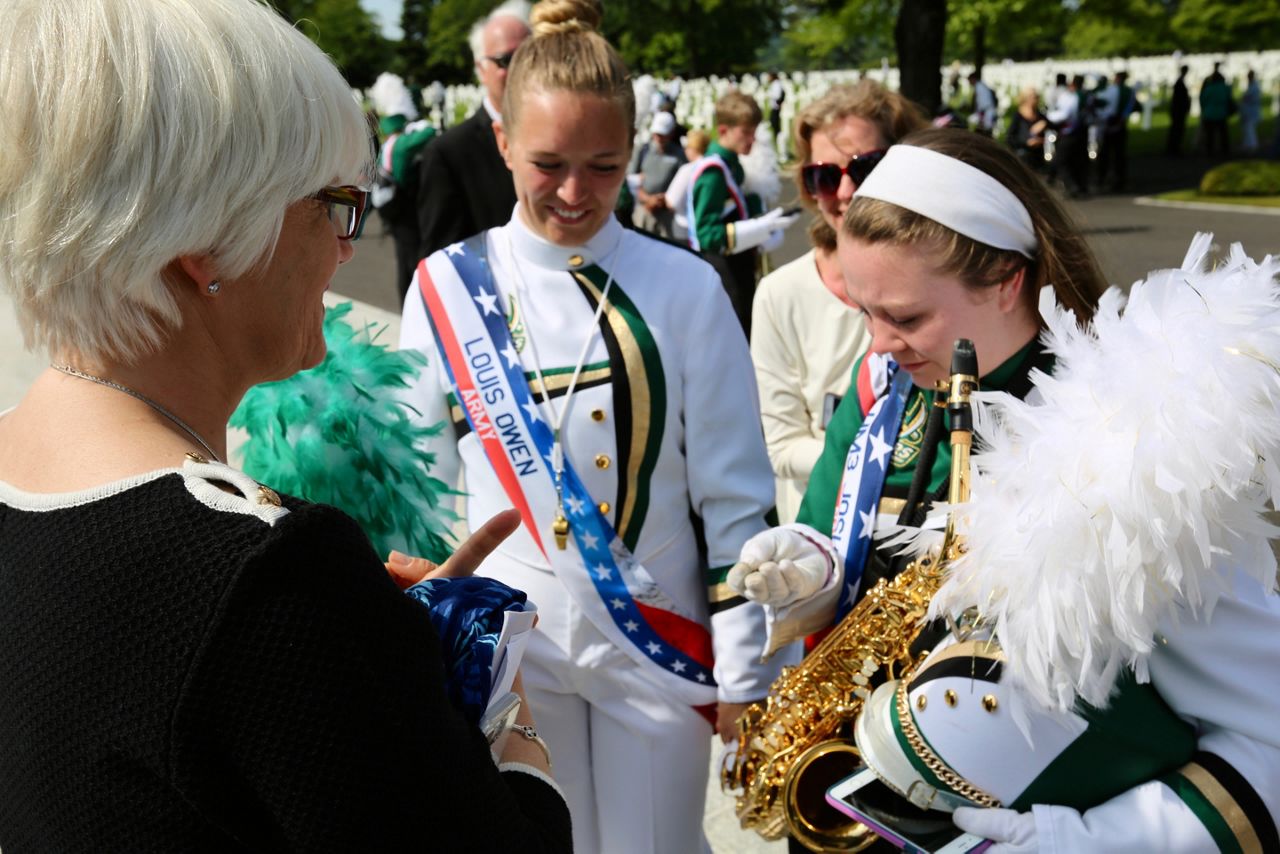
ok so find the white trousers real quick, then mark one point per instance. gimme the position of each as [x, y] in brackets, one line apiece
[631, 761]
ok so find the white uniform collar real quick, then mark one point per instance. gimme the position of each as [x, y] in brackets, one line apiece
[495, 115]
[532, 247]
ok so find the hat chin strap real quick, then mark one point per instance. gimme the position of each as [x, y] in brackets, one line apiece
[883, 753]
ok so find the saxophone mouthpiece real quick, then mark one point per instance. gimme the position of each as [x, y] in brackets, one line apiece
[963, 382]
[964, 359]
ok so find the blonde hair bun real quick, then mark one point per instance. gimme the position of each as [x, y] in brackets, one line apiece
[553, 17]
[567, 54]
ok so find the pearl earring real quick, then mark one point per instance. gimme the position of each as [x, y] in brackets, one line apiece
[213, 287]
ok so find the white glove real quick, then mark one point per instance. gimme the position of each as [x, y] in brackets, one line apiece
[774, 241]
[1014, 832]
[781, 566]
[750, 233]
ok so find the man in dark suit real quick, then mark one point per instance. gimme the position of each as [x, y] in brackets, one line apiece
[464, 185]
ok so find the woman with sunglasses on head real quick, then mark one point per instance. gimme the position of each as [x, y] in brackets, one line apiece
[595, 380]
[192, 662]
[807, 333]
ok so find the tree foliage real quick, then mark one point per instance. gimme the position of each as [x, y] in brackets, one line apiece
[692, 37]
[411, 52]
[703, 37]
[860, 33]
[1213, 25]
[448, 51]
[979, 31]
[856, 34]
[1118, 28]
[345, 31]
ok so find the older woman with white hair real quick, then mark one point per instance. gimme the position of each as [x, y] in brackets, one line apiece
[190, 661]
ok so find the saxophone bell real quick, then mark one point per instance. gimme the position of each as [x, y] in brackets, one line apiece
[796, 744]
[810, 819]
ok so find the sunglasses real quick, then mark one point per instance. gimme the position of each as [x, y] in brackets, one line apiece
[502, 60]
[823, 179]
[347, 206]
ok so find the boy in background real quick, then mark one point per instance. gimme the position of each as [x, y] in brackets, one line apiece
[726, 224]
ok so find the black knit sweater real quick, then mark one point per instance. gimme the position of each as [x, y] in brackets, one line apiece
[180, 671]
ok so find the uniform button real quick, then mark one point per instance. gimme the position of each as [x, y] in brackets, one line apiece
[603, 461]
[604, 507]
[597, 415]
[575, 260]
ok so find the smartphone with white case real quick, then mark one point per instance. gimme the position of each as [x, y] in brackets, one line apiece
[865, 798]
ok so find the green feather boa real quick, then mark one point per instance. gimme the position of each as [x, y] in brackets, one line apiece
[340, 434]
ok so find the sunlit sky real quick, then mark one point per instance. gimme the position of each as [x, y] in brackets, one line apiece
[388, 12]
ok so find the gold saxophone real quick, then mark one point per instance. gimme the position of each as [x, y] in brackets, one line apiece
[796, 746]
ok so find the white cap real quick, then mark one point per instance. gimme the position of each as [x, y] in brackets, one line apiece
[663, 123]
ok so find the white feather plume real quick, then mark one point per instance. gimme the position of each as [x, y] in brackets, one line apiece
[760, 168]
[1116, 496]
[390, 97]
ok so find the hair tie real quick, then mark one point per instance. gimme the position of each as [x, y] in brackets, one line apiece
[952, 193]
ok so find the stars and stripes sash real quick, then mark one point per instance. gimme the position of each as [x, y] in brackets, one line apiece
[614, 590]
[712, 161]
[865, 470]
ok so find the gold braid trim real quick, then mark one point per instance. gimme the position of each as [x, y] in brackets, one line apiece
[940, 769]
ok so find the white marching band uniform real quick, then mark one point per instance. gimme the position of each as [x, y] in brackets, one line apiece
[1120, 692]
[662, 426]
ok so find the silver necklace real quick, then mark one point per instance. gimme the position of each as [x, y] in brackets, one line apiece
[137, 395]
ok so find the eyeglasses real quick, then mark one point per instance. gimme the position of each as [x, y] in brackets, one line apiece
[502, 60]
[823, 179]
[346, 209]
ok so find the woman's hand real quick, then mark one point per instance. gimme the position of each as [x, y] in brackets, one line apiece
[407, 571]
[727, 715]
[518, 748]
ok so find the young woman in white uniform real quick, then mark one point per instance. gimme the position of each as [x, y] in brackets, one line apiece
[595, 379]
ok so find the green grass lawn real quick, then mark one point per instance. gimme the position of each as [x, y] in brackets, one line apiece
[1194, 196]
[1143, 142]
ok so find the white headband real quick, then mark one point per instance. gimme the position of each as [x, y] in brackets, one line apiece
[962, 197]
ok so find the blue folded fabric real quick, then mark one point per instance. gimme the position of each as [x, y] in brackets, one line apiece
[467, 614]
